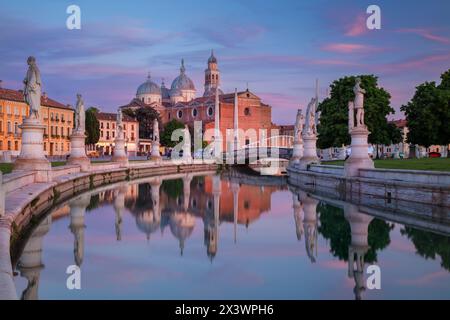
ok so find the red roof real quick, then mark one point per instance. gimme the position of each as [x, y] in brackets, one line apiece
[400, 123]
[106, 116]
[15, 95]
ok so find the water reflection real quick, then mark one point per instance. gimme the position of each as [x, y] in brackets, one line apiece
[351, 234]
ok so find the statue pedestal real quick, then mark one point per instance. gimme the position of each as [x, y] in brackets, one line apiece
[120, 154]
[78, 151]
[155, 155]
[32, 157]
[297, 153]
[359, 156]
[309, 152]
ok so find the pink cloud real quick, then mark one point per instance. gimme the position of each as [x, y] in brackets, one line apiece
[358, 27]
[427, 34]
[349, 48]
[416, 63]
[428, 279]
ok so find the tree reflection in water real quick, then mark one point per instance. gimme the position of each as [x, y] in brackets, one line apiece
[335, 228]
[429, 245]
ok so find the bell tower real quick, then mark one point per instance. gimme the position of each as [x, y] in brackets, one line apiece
[212, 75]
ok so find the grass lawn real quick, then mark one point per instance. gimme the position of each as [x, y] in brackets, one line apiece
[436, 164]
[7, 167]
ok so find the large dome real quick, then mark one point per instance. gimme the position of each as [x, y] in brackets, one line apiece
[182, 82]
[148, 87]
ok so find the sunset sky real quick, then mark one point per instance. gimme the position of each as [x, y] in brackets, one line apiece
[278, 47]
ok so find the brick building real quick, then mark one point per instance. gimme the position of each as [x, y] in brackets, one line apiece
[179, 102]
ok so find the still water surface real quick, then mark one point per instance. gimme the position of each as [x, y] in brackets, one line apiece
[203, 237]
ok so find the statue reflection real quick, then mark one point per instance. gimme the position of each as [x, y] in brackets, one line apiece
[309, 226]
[359, 246]
[298, 216]
[147, 207]
[119, 205]
[77, 226]
[30, 263]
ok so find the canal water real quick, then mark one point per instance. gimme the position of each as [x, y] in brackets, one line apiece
[200, 236]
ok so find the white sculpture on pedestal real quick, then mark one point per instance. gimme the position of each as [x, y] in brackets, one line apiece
[77, 139]
[120, 155]
[33, 88]
[80, 115]
[309, 137]
[298, 141]
[359, 155]
[32, 156]
[155, 156]
[359, 103]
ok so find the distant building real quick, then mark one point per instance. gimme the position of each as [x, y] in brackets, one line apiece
[105, 144]
[57, 117]
[180, 102]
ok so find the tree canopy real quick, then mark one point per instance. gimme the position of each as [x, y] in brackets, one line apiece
[145, 117]
[333, 126]
[92, 126]
[166, 136]
[428, 113]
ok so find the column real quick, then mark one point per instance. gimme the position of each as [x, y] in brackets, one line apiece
[217, 134]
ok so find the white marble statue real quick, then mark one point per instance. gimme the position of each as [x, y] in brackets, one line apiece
[119, 124]
[33, 87]
[155, 130]
[298, 128]
[310, 123]
[359, 103]
[79, 114]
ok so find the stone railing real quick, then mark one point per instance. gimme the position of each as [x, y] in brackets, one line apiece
[415, 176]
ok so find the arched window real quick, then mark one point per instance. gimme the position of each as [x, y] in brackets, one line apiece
[247, 111]
[210, 111]
[194, 113]
[180, 114]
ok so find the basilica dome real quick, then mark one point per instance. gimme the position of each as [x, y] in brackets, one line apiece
[148, 87]
[182, 82]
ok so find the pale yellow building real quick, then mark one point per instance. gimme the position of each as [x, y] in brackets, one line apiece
[107, 122]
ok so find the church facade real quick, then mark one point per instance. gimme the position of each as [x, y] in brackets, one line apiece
[181, 102]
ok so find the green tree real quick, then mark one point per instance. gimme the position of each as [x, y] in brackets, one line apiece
[169, 128]
[92, 126]
[394, 133]
[333, 126]
[145, 117]
[428, 114]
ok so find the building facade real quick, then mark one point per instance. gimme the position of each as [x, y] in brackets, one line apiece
[107, 122]
[57, 117]
[179, 102]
